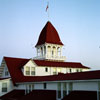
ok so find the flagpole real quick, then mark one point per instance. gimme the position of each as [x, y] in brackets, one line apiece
[47, 10]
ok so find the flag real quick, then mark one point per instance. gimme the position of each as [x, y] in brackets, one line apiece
[47, 8]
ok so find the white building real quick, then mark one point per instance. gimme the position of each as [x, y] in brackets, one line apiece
[48, 72]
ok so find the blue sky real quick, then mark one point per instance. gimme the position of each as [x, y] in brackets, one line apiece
[77, 22]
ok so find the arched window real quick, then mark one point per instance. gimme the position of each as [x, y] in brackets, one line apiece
[41, 51]
[58, 51]
[53, 51]
[49, 49]
[38, 51]
[44, 50]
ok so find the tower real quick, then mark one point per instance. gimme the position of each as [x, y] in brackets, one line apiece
[49, 45]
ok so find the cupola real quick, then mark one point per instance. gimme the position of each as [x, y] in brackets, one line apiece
[49, 45]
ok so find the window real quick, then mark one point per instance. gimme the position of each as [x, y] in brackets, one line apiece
[27, 70]
[6, 73]
[80, 70]
[44, 50]
[59, 70]
[77, 70]
[38, 52]
[41, 51]
[49, 50]
[53, 51]
[46, 69]
[45, 85]
[32, 70]
[4, 87]
[59, 51]
[54, 71]
[70, 70]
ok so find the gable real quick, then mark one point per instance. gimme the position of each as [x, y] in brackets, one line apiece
[30, 63]
[5, 72]
[14, 66]
[29, 68]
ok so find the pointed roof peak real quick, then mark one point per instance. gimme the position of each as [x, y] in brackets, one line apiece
[49, 35]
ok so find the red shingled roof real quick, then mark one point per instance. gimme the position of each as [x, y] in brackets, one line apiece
[13, 95]
[81, 95]
[59, 64]
[49, 35]
[15, 64]
[40, 95]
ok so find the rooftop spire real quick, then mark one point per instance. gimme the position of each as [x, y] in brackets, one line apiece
[49, 35]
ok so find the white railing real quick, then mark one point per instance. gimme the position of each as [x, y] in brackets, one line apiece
[51, 57]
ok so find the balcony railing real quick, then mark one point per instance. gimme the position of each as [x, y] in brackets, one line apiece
[51, 57]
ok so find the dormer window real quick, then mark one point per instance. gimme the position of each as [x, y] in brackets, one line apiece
[32, 70]
[29, 71]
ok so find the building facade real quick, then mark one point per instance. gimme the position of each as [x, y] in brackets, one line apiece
[47, 71]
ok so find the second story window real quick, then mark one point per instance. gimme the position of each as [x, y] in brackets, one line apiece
[27, 71]
[46, 69]
[59, 70]
[32, 70]
[54, 71]
[70, 70]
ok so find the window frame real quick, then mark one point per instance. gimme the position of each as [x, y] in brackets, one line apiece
[46, 69]
[4, 87]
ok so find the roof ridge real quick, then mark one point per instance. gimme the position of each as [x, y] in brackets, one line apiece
[15, 57]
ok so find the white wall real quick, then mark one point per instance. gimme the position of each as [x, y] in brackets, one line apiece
[87, 86]
[5, 69]
[51, 86]
[10, 86]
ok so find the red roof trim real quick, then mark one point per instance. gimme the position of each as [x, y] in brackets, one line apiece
[4, 78]
[70, 76]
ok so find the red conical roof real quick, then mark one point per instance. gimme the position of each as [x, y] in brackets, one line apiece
[49, 35]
